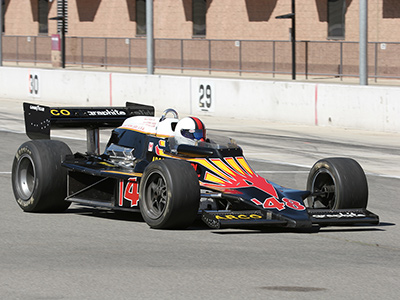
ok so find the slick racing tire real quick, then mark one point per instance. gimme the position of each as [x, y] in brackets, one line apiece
[337, 183]
[39, 181]
[169, 194]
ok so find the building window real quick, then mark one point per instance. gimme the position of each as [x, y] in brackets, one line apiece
[199, 17]
[140, 17]
[336, 19]
[43, 13]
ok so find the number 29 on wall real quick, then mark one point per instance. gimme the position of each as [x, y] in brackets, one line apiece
[206, 97]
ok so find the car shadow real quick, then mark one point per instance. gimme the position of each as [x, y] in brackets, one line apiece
[267, 230]
[106, 214]
[198, 224]
[126, 216]
[312, 230]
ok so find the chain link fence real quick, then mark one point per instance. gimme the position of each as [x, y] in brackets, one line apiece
[313, 58]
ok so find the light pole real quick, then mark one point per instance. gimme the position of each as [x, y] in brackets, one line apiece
[363, 68]
[62, 18]
[150, 37]
[292, 16]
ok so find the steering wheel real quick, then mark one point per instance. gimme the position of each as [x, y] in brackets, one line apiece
[169, 110]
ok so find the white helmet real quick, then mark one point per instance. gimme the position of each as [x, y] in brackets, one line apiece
[189, 130]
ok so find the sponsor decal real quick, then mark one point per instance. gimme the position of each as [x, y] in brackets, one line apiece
[36, 108]
[238, 217]
[339, 215]
[23, 151]
[146, 125]
[150, 147]
[157, 158]
[107, 112]
[61, 112]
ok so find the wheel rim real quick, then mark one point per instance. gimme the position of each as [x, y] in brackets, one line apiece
[25, 177]
[156, 196]
[324, 185]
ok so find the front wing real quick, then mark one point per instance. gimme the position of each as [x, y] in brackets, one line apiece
[260, 218]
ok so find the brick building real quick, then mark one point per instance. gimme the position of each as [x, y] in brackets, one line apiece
[217, 19]
[244, 20]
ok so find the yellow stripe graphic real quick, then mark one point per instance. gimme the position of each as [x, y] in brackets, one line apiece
[234, 165]
[124, 173]
[209, 166]
[220, 164]
[244, 165]
[213, 178]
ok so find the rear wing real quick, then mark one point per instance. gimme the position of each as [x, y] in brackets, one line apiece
[40, 119]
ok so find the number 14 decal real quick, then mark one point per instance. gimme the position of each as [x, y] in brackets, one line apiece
[129, 192]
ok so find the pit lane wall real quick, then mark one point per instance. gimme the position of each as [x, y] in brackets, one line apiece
[374, 108]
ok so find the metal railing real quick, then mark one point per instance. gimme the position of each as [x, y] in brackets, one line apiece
[313, 58]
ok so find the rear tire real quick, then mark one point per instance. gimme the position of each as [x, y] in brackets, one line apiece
[169, 194]
[340, 183]
[39, 181]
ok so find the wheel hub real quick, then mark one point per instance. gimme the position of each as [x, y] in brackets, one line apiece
[26, 177]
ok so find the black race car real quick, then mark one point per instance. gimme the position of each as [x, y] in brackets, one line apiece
[172, 174]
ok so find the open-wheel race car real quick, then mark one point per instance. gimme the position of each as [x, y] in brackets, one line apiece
[169, 171]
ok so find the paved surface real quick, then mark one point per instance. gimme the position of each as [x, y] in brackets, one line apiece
[89, 254]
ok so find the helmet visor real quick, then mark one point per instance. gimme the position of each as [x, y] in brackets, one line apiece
[194, 134]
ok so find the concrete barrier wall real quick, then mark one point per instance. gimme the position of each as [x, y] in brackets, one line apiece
[374, 108]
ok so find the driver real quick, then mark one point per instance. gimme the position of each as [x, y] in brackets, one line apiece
[190, 130]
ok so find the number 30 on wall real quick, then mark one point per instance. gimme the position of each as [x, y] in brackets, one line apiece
[34, 85]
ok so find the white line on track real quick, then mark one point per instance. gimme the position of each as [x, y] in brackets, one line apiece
[278, 162]
[53, 135]
[383, 175]
[249, 158]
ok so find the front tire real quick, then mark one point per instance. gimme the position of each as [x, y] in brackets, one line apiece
[337, 183]
[169, 194]
[39, 181]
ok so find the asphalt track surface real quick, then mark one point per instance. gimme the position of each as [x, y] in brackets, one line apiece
[89, 254]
